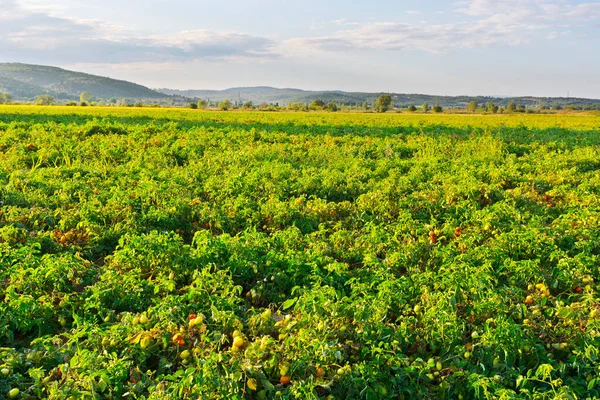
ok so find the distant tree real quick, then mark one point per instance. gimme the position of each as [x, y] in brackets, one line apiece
[412, 108]
[332, 107]
[202, 104]
[5, 98]
[44, 100]
[248, 105]
[425, 107]
[85, 97]
[297, 107]
[472, 107]
[437, 108]
[365, 106]
[383, 103]
[521, 108]
[193, 105]
[556, 107]
[71, 103]
[263, 105]
[491, 107]
[225, 105]
[570, 107]
[317, 105]
[511, 107]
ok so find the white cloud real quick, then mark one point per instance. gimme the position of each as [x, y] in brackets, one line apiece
[34, 35]
[484, 23]
[32, 32]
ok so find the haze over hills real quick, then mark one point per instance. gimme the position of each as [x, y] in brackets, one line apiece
[24, 82]
[272, 95]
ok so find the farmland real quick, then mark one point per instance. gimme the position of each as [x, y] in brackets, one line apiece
[164, 254]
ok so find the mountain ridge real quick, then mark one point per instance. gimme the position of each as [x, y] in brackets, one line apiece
[269, 94]
[27, 81]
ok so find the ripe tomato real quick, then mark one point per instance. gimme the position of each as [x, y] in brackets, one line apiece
[285, 380]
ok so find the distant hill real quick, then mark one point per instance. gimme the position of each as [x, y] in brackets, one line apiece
[267, 94]
[25, 82]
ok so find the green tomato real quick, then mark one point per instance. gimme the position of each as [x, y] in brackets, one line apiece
[13, 393]
[5, 371]
[185, 354]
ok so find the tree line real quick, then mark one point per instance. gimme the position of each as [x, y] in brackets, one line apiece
[383, 104]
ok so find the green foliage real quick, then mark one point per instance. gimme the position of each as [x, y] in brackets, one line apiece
[225, 105]
[437, 108]
[202, 104]
[383, 103]
[193, 105]
[85, 97]
[472, 107]
[317, 105]
[5, 98]
[159, 254]
[44, 100]
[412, 108]
[425, 107]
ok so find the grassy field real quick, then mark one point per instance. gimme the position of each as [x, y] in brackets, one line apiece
[170, 254]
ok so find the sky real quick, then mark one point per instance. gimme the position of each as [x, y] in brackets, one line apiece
[466, 47]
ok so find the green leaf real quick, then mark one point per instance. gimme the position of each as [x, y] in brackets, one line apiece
[289, 303]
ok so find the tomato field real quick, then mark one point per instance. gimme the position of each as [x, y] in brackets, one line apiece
[171, 254]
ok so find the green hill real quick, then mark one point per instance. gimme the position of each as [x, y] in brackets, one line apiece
[25, 82]
[286, 96]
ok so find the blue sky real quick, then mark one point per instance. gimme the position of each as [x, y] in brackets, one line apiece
[508, 47]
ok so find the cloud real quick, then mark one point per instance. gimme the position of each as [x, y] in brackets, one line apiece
[481, 23]
[30, 32]
[37, 36]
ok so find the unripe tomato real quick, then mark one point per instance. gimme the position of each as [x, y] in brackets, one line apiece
[143, 319]
[5, 371]
[13, 393]
[145, 342]
[185, 354]
[238, 342]
[252, 384]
